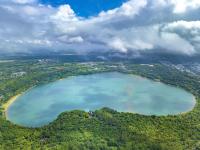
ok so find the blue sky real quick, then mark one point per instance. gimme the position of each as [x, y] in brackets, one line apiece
[86, 8]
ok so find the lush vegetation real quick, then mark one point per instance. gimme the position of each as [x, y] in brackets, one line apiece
[105, 128]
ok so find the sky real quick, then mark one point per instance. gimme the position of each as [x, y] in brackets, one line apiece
[86, 8]
[137, 26]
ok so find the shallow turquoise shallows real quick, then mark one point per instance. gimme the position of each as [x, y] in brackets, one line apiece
[122, 92]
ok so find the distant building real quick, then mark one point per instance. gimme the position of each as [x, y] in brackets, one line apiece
[18, 74]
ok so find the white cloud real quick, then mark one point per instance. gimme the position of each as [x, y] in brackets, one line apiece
[77, 39]
[130, 8]
[184, 24]
[65, 13]
[181, 6]
[117, 44]
[178, 6]
[138, 26]
[67, 39]
[174, 43]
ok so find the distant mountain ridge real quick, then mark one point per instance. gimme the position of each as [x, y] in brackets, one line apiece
[107, 56]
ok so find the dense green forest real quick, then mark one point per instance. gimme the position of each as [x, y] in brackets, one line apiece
[102, 129]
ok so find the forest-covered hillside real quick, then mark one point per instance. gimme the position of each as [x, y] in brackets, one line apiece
[104, 128]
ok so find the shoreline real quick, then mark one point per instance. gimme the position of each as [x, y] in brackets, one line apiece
[6, 105]
[9, 103]
[195, 100]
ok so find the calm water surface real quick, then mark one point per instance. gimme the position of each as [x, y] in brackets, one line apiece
[122, 92]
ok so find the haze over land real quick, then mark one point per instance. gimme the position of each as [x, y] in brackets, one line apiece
[137, 27]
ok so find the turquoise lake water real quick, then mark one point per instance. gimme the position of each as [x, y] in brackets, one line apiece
[122, 92]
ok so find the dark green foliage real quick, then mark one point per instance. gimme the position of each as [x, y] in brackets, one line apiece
[103, 129]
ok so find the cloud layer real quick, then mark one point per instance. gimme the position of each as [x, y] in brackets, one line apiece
[165, 26]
